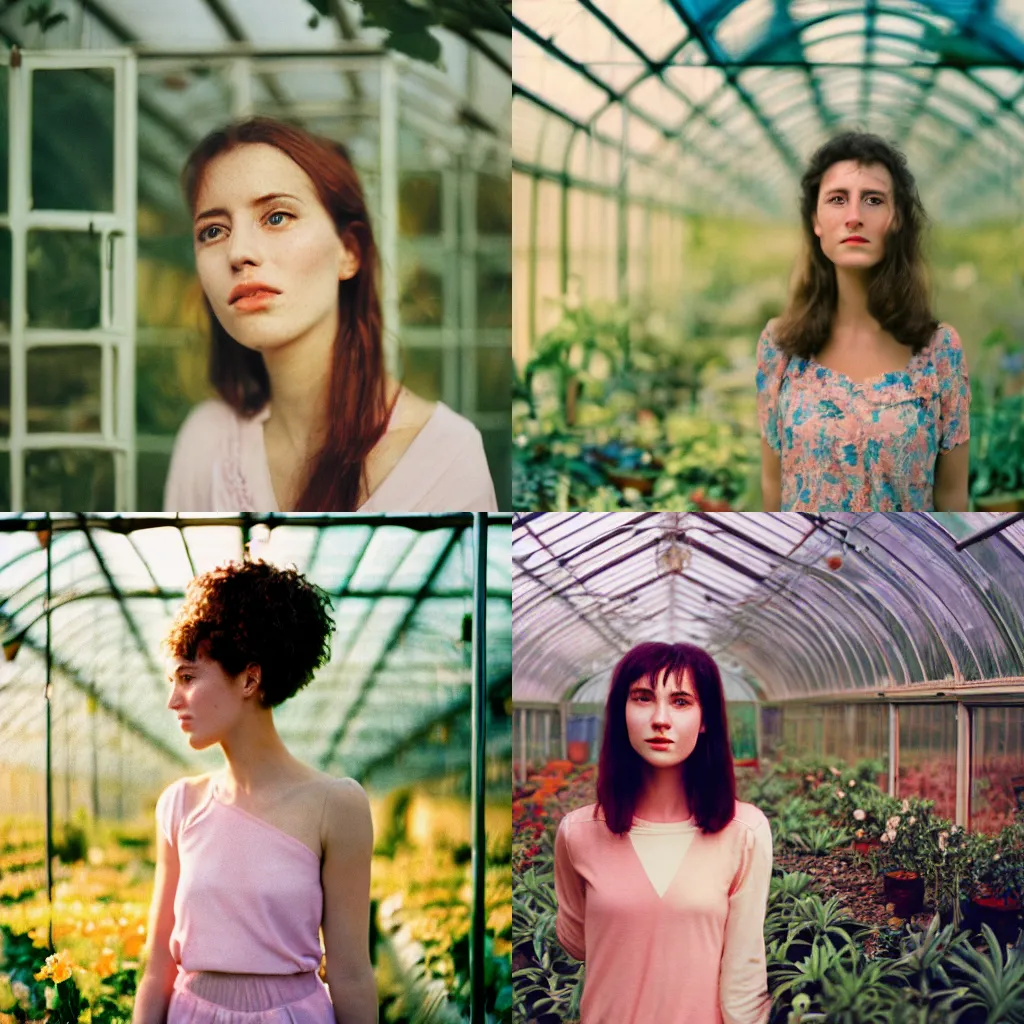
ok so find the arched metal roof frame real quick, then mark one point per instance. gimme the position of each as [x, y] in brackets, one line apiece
[99, 602]
[994, 43]
[886, 601]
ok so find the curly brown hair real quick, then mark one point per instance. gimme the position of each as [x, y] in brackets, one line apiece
[251, 612]
[898, 294]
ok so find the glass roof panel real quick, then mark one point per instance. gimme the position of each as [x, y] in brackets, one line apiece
[397, 644]
[889, 598]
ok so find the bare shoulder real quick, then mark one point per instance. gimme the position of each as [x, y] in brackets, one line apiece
[346, 817]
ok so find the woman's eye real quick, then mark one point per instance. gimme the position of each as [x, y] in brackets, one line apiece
[202, 236]
[279, 213]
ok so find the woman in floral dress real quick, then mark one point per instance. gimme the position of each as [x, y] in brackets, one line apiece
[863, 396]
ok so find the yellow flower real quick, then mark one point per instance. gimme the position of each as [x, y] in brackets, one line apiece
[58, 967]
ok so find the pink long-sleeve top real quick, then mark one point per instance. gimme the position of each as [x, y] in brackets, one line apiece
[249, 897]
[219, 464]
[678, 946]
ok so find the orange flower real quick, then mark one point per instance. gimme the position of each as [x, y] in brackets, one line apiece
[58, 967]
[107, 964]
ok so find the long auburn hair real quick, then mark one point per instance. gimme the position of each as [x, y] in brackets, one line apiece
[357, 412]
[708, 779]
[898, 292]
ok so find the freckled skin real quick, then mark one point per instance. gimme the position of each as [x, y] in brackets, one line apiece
[290, 244]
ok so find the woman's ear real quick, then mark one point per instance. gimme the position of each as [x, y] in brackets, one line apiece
[348, 265]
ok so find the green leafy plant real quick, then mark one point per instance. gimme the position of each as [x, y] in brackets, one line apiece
[995, 981]
[819, 839]
[997, 448]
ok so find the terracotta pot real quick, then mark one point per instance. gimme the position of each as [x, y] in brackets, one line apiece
[865, 846]
[905, 890]
[578, 751]
[644, 484]
[1002, 914]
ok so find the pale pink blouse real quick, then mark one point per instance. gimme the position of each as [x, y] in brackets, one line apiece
[219, 465]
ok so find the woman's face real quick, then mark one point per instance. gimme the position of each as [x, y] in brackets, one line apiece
[854, 202]
[663, 719]
[208, 701]
[288, 243]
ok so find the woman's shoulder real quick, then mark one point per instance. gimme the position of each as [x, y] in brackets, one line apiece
[211, 414]
[749, 815]
[582, 815]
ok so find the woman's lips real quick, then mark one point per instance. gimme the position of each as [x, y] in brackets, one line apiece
[255, 301]
[660, 743]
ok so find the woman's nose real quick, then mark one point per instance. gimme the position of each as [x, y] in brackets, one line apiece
[244, 246]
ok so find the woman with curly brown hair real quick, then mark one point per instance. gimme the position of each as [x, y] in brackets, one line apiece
[863, 396]
[253, 861]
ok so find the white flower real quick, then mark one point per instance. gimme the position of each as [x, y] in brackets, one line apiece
[906, 806]
[852, 783]
[885, 837]
[834, 771]
[859, 815]
[840, 794]
[891, 833]
[911, 820]
[995, 856]
[943, 836]
[953, 831]
[893, 822]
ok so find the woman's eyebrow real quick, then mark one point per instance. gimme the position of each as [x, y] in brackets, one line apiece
[864, 192]
[221, 212]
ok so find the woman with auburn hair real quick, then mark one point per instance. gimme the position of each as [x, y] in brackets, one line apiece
[662, 885]
[307, 418]
[862, 395]
[259, 863]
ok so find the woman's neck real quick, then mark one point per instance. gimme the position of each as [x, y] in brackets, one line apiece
[852, 302]
[663, 797]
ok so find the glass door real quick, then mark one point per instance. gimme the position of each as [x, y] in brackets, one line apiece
[67, 294]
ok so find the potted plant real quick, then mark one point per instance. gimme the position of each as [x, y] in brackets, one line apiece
[909, 851]
[999, 877]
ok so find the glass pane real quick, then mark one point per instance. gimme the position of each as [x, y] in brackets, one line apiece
[161, 405]
[997, 779]
[5, 391]
[498, 449]
[5, 278]
[64, 389]
[424, 371]
[493, 294]
[63, 279]
[493, 205]
[5, 481]
[151, 475]
[69, 479]
[73, 167]
[419, 204]
[4, 156]
[493, 379]
[421, 296]
[928, 755]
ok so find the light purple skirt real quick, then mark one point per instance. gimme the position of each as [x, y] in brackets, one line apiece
[207, 997]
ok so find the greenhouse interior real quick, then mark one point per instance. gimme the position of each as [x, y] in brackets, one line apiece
[103, 332]
[873, 672]
[657, 152]
[415, 704]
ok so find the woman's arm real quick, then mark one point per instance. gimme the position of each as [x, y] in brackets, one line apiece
[743, 984]
[771, 478]
[951, 470]
[345, 875]
[570, 891]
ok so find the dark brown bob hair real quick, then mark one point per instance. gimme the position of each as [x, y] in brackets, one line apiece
[898, 293]
[253, 613]
[709, 780]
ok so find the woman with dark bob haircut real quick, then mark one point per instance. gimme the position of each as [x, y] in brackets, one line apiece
[863, 396]
[255, 861]
[662, 884]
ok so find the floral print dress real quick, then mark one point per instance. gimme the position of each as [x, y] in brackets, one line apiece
[862, 446]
